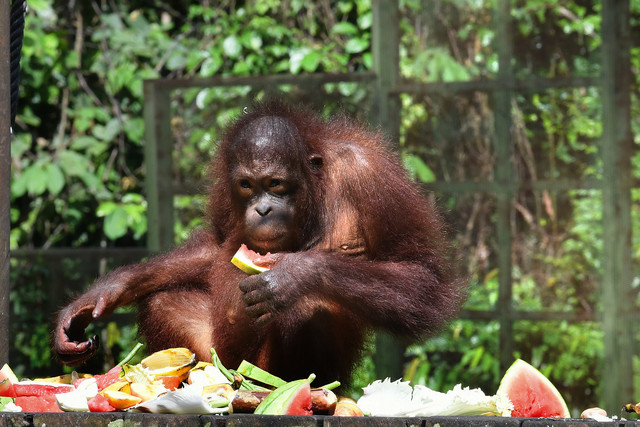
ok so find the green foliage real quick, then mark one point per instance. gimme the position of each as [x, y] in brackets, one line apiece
[78, 161]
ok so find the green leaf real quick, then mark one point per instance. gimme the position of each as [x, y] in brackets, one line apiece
[232, 47]
[115, 223]
[36, 179]
[176, 60]
[121, 76]
[73, 164]
[109, 132]
[365, 21]
[133, 198]
[345, 28]
[134, 128]
[55, 178]
[18, 186]
[195, 58]
[311, 61]
[417, 168]
[82, 142]
[367, 60]
[211, 65]
[252, 40]
[105, 208]
[356, 45]
[40, 5]
[296, 56]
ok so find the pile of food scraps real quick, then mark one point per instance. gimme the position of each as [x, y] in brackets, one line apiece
[173, 381]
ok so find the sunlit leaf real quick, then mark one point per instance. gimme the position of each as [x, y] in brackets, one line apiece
[73, 163]
[36, 179]
[232, 47]
[356, 45]
[345, 28]
[115, 223]
[55, 178]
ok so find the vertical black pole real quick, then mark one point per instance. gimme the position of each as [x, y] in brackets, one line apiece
[5, 180]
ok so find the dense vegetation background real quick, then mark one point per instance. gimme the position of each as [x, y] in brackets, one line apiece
[78, 164]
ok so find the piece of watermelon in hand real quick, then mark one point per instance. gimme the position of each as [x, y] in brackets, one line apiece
[243, 259]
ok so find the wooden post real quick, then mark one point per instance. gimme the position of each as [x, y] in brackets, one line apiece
[159, 167]
[386, 65]
[505, 179]
[5, 181]
[616, 144]
[389, 355]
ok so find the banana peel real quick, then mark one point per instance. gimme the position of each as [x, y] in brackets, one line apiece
[170, 362]
[147, 391]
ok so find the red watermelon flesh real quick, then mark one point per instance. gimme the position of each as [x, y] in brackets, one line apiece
[39, 388]
[531, 393]
[7, 380]
[300, 402]
[109, 378]
[45, 403]
[292, 398]
[243, 259]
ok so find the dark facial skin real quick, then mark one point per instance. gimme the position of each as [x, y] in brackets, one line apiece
[265, 183]
[268, 197]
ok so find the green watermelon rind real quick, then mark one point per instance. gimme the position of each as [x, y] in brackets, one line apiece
[284, 398]
[509, 380]
[243, 262]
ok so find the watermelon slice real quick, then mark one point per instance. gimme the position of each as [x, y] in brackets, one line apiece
[105, 380]
[47, 403]
[292, 398]
[243, 259]
[99, 403]
[531, 393]
[38, 388]
[7, 380]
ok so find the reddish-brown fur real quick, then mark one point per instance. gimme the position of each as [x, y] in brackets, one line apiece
[371, 254]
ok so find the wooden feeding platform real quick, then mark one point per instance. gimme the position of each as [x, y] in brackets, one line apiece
[122, 419]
